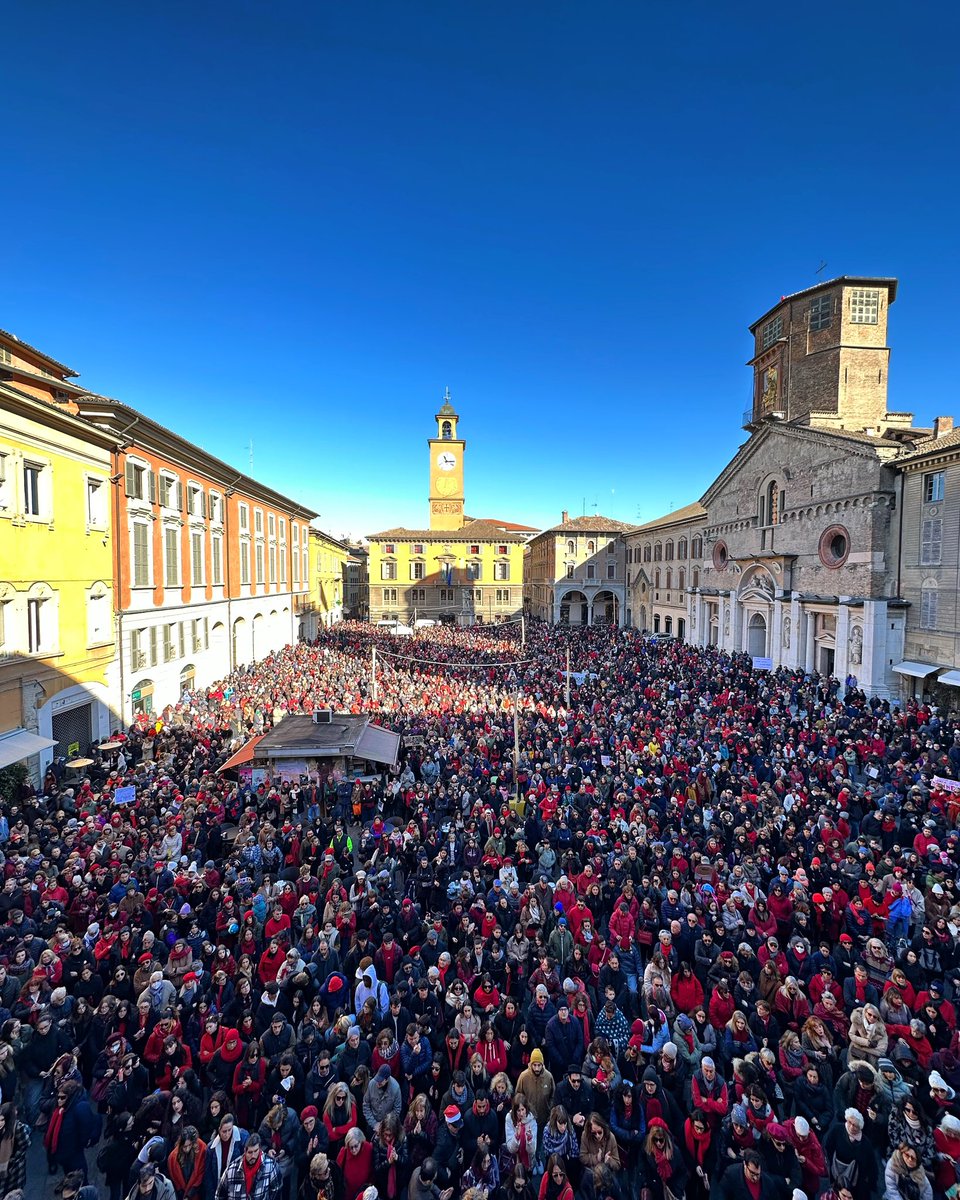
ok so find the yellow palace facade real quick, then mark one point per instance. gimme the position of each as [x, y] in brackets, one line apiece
[461, 570]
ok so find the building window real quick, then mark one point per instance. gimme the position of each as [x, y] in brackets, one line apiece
[245, 517]
[933, 487]
[478, 596]
[503, 595]
[139, 482]
[501, 570]
[474, 571]
[389, 595]
[271, 525]
[931, 541]
[258, 520]
[259, 561]
[416, 570]
[668, 551]
[720, 556]
[864, 306]
[196, 559]
[821, 312]
[34, 630]
[695, 578]
[141, 554]
[669, 580]
[657, 552]
[388, 570]
[570, 570]
[6, 358]
[681, 579]
[611, 570]
[304, 563]
[682, 548]
[696, 549]
[215, 505]
[32, 473]
[245, 564]
[171, 557]
[169, 643]
[416, 548]
[668, 625]
[272, 558]
[928, 606]
[656, 578]
[501, 549]
[171, 492]
[646, 552]
[834, 546]
[98, 615]
[216, 560]
[195, 502]
[571, 547]
[389, 548]
[283, 565]
[770, 332]
[96, 503]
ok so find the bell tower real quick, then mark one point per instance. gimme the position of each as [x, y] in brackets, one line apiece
[446, 470]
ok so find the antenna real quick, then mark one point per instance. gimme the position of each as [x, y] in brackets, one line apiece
[251, 454]
[823, 265]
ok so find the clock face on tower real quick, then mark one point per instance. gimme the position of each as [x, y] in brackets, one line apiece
[446, 461]
[446, 486]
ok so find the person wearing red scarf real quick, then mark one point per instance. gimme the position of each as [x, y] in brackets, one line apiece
[698, 1139]
[186, 1164]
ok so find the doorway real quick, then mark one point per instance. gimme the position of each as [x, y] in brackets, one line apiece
[757, 636]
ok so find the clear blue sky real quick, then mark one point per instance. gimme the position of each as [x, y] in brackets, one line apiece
[299, 222]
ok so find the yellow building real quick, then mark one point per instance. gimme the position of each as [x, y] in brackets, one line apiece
[57, 569]
[324, 603]
[462, 569]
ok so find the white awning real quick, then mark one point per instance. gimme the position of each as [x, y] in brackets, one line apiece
[18, 744]
[918, 670]
[950, 678]
[378, 745]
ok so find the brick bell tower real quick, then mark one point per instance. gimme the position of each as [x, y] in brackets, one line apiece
[446, 470]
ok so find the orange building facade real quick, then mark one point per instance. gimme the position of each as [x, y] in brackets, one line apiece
[210, 564]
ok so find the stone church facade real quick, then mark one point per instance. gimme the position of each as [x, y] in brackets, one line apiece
[800, 531]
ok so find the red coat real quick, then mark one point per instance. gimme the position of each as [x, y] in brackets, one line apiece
[686, 993]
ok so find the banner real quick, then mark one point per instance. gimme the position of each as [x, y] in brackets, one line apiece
[946, 785]
[291, 769]
[125, 795]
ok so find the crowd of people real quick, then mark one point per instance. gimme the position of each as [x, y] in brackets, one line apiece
[669, 925]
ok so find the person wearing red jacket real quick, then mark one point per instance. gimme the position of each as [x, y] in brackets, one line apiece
[387, 958]
[709, 1093]
[270, 962]
[686, 991]
[277, 926]
[813, 1166]
[623, 927]
[577, 915]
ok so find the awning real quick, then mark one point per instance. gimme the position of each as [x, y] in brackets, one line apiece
[243, 755]
[377, 744]
[17, 744]
[950, 678]
[918, 670]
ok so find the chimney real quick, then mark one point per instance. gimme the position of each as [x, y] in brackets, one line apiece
[565, 516]
[942, 426]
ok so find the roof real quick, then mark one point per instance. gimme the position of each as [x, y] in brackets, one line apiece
[689, 512]
[949, 441]
[346, 735]
[849, 435]
[243, 755]
[846, 280]
[61, 367]
[594, 524]
[482, 529]
[93, 406]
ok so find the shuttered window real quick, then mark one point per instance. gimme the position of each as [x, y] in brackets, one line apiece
[931, 541]
[171, 555]
[928, 608]
[196, 558]
[141, 555]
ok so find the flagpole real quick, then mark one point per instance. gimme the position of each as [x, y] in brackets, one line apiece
[373, 672]
[568, 677]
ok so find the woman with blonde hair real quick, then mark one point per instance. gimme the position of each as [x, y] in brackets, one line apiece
[904, 1177]
[420, 1127]
[663, 1165]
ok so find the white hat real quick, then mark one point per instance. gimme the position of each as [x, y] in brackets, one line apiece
[950, 1124]
[802, 1126]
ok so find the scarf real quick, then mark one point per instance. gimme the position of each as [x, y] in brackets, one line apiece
[698, 1144]
[663, 1163]
[250, 1172]
[51, 1139]
[794, 1057]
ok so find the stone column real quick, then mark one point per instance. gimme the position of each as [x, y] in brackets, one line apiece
[843, 639]
[776, 632]
[792, 657]
[872, 673]
[809, 644]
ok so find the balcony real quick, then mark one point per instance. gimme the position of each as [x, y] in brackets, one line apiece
[747, 420]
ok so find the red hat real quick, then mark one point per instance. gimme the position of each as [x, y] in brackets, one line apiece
[145, 958]
[414, 950]
[846, 939]
[656, 1122]
[310, 1111]
[451, 1113]
[335, 984]
[190, 977]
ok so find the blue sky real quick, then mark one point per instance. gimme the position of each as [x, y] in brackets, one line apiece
[297, 223]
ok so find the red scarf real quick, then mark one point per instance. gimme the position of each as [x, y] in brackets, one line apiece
[250, 1172]
[698, 1144]
[51, 1139]
[664, 1164]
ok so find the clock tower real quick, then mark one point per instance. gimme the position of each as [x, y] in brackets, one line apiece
[446, 470]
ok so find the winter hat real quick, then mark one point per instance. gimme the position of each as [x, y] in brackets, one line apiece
[542, 990]
[951, 1124]
[739, 1114]
[938, 1081]
[802, 1126]
[536, 1056]
[669, 1050]
[451, 1114]
[335, 984]
[798, 1194]
[777, 1131]
[310, 1111]
[885, 1064]
[684, 1022]
[854, 1116]
[353, 1031]
[650, 1075]
[383, 1074]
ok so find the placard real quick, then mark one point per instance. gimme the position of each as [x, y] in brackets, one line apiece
[125, 795]
[946, 785]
